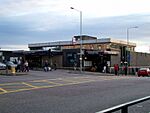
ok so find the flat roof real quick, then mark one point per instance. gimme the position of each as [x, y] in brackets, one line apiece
[65, 43]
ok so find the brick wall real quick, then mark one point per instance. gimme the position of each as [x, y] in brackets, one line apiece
[139, 59]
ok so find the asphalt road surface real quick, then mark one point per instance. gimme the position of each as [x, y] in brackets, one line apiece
[62, 91]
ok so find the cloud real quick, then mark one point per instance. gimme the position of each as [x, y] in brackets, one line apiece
[117, 26]
[94, 8]
[10, 8]
[30, 28]
[143, 48]
[31, 21]
[14, 47]
[23, 7]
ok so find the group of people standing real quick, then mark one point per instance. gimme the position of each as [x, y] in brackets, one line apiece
[48, 67]
[100, 67]
[122, 70]
[22, 66]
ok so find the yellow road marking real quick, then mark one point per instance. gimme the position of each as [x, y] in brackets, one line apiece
[29, 85]
[10, 83]
[73, 82]
[3, 90]
[14, 91]
[52, 82]
[25, 89]
[38, 80]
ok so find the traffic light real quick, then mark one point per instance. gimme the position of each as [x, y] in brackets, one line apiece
[85, 53]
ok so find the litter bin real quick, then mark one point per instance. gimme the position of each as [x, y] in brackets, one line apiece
[13, 70]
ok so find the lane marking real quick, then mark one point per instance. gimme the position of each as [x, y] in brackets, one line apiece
[47, 81]
[3, 90]
[68, 80]
[29, 85]
[12, 83]
[19, 90]
[27, 89]
[73, 82]
[37, 80]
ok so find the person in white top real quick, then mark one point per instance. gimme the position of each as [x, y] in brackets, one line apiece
[104, 69]
[26, 64]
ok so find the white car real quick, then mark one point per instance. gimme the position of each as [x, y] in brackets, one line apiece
[2, 66]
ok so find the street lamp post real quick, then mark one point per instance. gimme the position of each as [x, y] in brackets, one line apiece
[128, 38]
[80, 37]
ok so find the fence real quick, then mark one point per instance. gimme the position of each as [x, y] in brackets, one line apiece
[124, 107]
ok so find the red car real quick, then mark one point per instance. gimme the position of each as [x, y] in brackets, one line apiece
[144, 72]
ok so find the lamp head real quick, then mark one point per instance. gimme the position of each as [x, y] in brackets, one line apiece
[71, 8]
[135, 27]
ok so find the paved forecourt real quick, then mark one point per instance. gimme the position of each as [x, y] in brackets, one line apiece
[11, 87]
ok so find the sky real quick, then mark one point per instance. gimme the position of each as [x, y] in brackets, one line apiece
[23, 22]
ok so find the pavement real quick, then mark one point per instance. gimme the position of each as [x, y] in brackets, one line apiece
[97, 73]
[3, 72]
[40, 79]
[9, 73]
[66, 91]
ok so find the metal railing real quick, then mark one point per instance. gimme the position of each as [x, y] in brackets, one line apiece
[124, 107]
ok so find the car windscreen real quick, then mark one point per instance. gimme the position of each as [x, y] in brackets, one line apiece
[144, 69]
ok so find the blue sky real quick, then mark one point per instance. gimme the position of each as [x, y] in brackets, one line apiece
[33, 21]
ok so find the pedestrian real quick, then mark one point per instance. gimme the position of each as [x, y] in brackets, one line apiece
[22, 65]
[116, 69]
[75, 65]
[46, 66]
[26, 66]
[19, 65]
[55, 66]
[104, 69]
[125, 69]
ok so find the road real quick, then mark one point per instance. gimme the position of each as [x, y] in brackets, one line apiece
[62, 91]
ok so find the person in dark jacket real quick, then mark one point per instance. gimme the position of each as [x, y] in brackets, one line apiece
[55, 66]
[46, 66]
[125, 70]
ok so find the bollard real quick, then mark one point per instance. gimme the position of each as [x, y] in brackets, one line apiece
[13, 70]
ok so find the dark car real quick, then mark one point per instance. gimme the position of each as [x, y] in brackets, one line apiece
[144, 72]
[2, 66]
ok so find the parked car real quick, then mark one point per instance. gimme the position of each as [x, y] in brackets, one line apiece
[2, 66]
[10, 64]
[144, 72]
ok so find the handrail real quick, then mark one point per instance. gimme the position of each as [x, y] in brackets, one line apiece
[124, 107]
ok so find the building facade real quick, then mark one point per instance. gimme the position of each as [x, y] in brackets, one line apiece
[10, 56]
[98, 52]
[95, 53]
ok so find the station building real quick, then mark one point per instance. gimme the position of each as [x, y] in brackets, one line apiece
[7, 55]
[98, 52]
